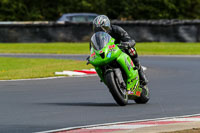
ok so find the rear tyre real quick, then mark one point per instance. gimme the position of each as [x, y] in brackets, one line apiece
[144, 98]
[118, 93]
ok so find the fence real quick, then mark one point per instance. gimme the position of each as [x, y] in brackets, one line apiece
[141, 31]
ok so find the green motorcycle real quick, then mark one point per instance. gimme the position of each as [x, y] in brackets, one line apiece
[116, 69]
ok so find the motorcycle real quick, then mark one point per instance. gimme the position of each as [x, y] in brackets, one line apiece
[116, 69]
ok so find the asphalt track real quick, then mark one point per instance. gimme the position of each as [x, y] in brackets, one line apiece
[40, 105]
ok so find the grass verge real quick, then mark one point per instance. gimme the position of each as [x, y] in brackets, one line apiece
[167, 48]
[23, 68]
[150, 48]
[45, 48]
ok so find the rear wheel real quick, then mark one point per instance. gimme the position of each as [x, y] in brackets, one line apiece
[118, 93]
[144, 98]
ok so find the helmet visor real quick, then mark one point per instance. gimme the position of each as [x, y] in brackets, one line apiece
[105, 28]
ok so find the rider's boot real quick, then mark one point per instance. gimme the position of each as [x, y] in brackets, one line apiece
[143, 78]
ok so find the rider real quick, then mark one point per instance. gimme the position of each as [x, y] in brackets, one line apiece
[102, 23]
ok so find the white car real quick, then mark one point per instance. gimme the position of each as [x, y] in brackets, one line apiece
[78, 17]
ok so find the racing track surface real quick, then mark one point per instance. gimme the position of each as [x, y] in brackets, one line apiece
[39, 105]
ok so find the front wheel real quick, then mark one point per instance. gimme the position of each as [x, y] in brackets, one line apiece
[119, 94]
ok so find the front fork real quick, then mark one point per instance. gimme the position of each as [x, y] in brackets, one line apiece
[119, 76]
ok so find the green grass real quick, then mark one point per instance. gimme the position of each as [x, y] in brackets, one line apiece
[168, 48]
[45, 48]
[151, 48]
[22, 68]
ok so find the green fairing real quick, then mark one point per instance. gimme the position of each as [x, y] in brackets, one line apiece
[112, 52]
[125, 61]
[98, 61]
[100, 73]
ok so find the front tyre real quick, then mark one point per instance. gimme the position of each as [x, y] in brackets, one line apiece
[118, 93]
[144, 98]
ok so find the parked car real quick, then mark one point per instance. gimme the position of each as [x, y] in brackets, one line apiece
[78, 17]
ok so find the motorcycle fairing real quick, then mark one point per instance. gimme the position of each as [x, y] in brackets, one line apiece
[110, 52]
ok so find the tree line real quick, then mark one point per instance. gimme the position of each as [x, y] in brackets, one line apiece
[51, 10]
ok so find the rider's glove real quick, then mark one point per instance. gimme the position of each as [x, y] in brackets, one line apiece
[124, 45]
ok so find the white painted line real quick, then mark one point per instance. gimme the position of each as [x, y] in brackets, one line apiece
[121, 127]
[184, 119]
[110, 124]
[34, 79]
[70, 73]
[81, 76]
[57, 77]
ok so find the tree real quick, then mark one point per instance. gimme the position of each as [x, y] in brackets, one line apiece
[32, 10]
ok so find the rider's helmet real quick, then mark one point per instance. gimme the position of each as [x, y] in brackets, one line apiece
[101, 23]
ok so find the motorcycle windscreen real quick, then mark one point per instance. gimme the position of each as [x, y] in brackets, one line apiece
[99, 40]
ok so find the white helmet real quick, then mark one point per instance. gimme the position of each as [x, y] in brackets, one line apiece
[101, 23]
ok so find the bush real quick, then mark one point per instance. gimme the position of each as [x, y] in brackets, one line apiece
[31, 10]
